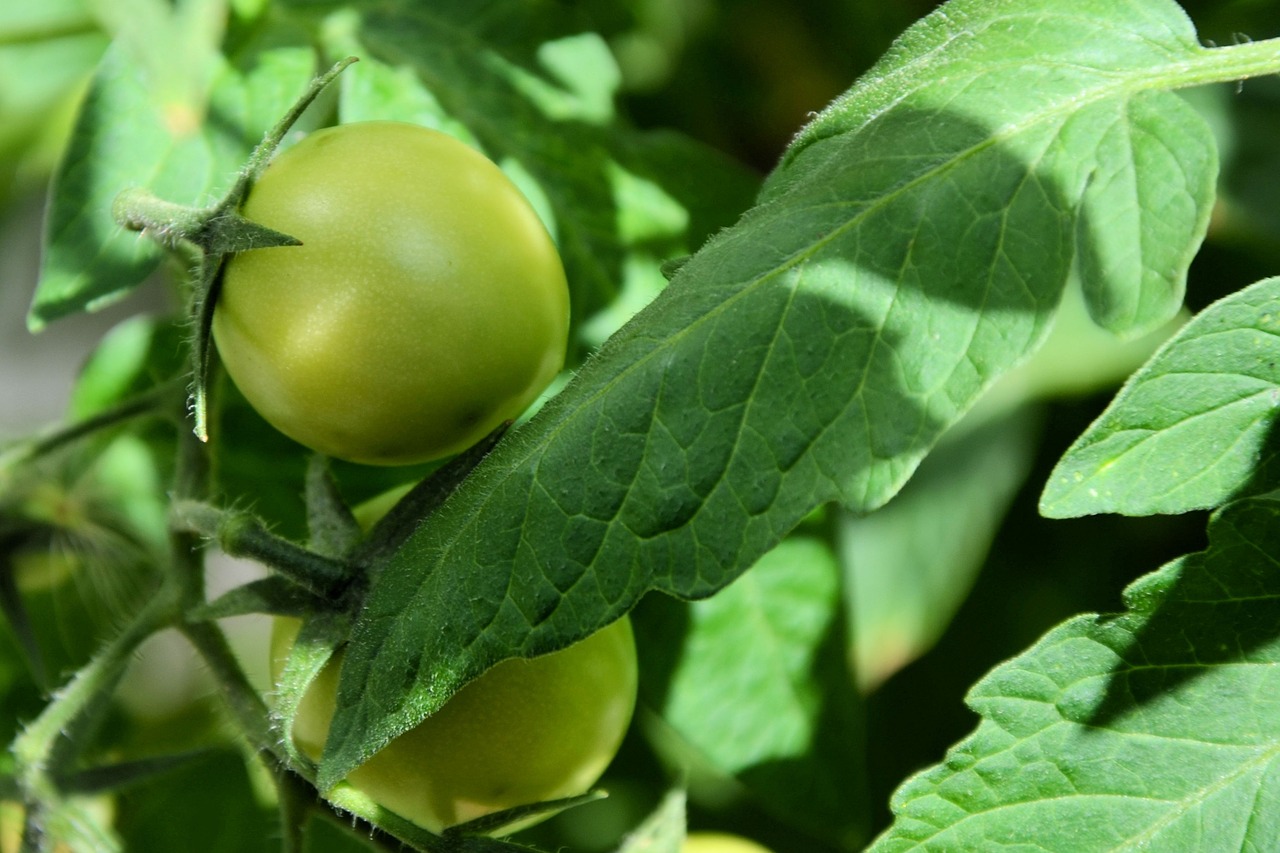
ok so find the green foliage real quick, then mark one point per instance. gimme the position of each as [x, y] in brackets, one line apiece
[1110, 731]
[1191, 429]
[798, 415]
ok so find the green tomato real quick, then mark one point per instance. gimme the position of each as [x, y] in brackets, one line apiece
[425, 306]
[523, 732]
[718, 842]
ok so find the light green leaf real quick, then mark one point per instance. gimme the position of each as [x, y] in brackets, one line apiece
[127, 136]
[1157, 729]
[912, 247]
[1190, 429]
[756, 682]
[911, 563]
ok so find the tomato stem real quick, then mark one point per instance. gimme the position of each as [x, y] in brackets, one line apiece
[243, 535]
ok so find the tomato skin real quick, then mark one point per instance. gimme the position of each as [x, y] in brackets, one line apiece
[523, 732]
[426, 305]
[719, 842]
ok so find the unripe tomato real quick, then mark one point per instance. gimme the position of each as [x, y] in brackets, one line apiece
[719, 842]
[523, 732]
[425, 306]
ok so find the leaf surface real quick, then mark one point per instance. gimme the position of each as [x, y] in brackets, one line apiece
[910, 564]
[755, 682]
[1192, 427]
[1156, 729]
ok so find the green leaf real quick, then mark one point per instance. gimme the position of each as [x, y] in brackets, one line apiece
[1156, 729]
[134, 355]
[911, 247]
[1191, 428]
[911, 563]
[756, 681]
[47, 51]
[663, 831]
[128, 136]
[207, 805]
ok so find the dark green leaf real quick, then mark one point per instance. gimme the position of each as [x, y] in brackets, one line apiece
[272, 594]
[1189, 430]
[207, 805]
[1155, 729]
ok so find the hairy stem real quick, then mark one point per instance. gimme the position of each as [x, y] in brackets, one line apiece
[242, 535]
[49, 740]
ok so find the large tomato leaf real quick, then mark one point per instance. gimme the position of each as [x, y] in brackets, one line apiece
[911, 247]
[1155, 729]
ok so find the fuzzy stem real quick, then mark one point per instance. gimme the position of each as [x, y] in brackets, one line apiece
[242, 535]
[91, 686]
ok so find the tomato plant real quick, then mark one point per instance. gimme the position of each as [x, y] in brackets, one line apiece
[907, 381]
[425, 306]
[526, 731]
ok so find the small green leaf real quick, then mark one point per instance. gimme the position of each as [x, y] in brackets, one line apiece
[911, 563]
[663, 831]
[756, 680]
[135, 355]
[1190, 429]
[128, 136]
[272, 594]
[1155, 729]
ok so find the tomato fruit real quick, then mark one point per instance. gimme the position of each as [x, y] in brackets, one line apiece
[426, 305]
[523, 732]
[718, 842]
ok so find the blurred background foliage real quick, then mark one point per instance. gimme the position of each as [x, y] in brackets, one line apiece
[743, 76]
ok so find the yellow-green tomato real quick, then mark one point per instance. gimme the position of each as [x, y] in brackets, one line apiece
[719, 842]
[523, 732]
[426, 305]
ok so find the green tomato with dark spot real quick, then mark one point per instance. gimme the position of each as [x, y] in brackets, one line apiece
[525, 731]
[426, 305]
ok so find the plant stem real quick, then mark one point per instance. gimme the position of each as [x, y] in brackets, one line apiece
[88, 689]
[245, 704]
[1224, 65]
[242, 535]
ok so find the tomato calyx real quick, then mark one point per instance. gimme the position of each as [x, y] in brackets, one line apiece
[215, 233]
